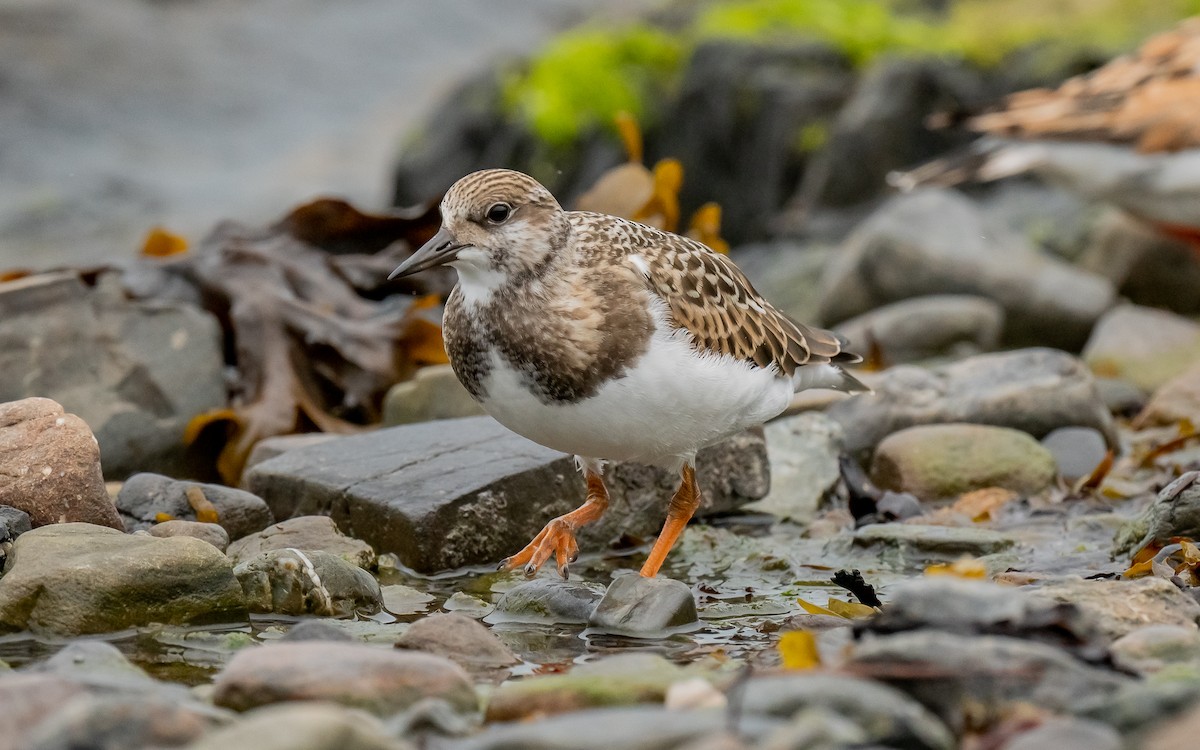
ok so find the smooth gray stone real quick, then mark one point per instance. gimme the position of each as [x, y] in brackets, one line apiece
[548, 600]
[1033, 390]
[136, 372]
[144, 496]
[468, 491]
[634, 605]
[299, 582]
[889, 717]
[936, 241]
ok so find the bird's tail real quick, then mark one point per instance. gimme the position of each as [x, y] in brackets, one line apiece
[827, 376]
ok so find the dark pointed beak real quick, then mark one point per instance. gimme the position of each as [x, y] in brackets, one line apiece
[439, 251]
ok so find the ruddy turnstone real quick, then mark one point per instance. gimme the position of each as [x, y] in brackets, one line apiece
[1127, 133]
[611, 340]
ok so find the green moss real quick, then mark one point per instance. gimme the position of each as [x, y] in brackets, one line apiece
[812, 137]
[584, 77]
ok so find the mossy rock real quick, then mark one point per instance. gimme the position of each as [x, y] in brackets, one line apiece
[946, 460]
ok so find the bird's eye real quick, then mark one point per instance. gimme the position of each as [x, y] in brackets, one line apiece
[498, 213]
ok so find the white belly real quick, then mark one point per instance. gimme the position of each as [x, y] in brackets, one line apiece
[671, 403]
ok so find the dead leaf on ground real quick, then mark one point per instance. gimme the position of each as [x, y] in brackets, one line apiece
[315, 334]
[160, 243]
[984, 504]
[798, 650]
[963, 567]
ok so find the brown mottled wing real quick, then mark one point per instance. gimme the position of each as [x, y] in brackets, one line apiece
[1150, 98]
[713, 299]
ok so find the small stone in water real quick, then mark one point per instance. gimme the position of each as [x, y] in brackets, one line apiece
[548, 600]
[405, 600]
[457, 637]
[464, 603]
[634, 605]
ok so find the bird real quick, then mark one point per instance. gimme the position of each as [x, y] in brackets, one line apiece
[1126, 134]
[611, 340]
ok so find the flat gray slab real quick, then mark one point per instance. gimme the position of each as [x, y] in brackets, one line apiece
[468, 491]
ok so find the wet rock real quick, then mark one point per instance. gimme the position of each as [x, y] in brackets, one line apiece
[634, 605]
[887, 716]
[816, 728]
[28, 698]
[1179, 732]
[1178, 399]
[465, 604]
[803, 451]
[1152, 648]
[79, 578]
[212, 533]
[948, 672]
[305, 726]
[621, 680]
[316, 630]
[1143, 345]
[623, 728]
[50, 465]
[923, 542]
[935, 241]
[136, 372]
[980, 607]
[548, 600]
[308, 533]
[946, 460]
[1148, 267]
[1033, 390]
[882, 128]
[451, 493]
[298, 582]
[378, 680]
[433, 393]
[100, 721]
[405, 600]
[13, 523]
[1142, 707]
[1120, 607]
[923, 327]
[145, 498]
[96, 664]
[1077, 451]
[1175, 512]
[459, 638]
[1123, 399]
[1067, 734]
[268, 448]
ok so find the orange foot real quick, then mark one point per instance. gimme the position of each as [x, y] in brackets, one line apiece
[683, 506]
[558, 536]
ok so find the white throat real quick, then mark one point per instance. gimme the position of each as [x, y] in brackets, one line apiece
[476, 278]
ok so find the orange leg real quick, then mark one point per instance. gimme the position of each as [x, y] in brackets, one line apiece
[683, 505]
[558, 537]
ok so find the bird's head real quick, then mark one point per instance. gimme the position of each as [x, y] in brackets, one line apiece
[497, 224]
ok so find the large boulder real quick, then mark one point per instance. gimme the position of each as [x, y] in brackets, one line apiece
[50, 465]
[1032, 390]
[76, 578]
[137, 372]
[937, 242]
[468, 491]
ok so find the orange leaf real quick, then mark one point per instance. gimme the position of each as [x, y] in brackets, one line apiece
[423, 343]
[160, 243]
[631, 136]
[1139, 570]
[206, 512]
[981, 505]
[705, 227]
[963, 567]
[798, 650]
